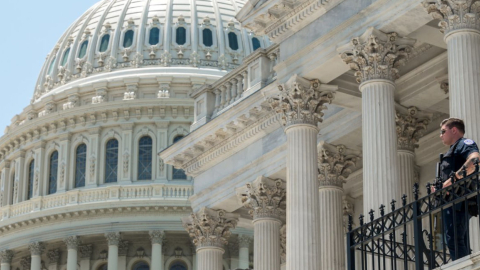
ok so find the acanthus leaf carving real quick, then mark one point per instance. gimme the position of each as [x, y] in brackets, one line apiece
[411, 126]
[454, 14]
[335, 164]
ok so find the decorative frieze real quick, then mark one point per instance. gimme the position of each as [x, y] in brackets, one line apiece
[72, 242]
[335, 163]
[411, 126]
[376, 55]
[85, 251]
[36, 248]
[157, 237]
[264, 197]
[6, 256]
[53, 256]
[302, 101]
[113, 238]
[210, 228]
[100, 96]
[454, 14]
[73, 101]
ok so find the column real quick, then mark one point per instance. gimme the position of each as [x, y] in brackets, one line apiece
[300, 104]
[39, 180]
[218, 98]
[19, 187]
[210, 230]
[93, 154]
[244, 243]
[122, 255]
[53, 259]
[6, 257]
[460, 23]
[234, 83]
[335, 163]
[85, 256]
[113, 239]
[72, 243]
[411, 125]
[374, 56]
[266, 199]
[157, 237]
[36, 250]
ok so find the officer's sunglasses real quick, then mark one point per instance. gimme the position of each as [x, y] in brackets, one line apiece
[442, 131]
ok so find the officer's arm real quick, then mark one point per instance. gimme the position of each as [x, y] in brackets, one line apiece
[469, 164]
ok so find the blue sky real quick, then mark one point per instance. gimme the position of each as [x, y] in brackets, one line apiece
[31, 30]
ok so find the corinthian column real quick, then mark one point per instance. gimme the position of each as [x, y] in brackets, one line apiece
[334, 166]
[157, 238]
[113, 239]
[244, 243]
[411, 125]
[72, 243]
[374, 56]
[210, 230]
[6, 257]
[460, 22]
[300, 104]
[36, 250]
[266, 199]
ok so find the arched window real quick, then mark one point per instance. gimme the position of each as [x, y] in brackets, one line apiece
[145, 158]
[65, 57]
[111, 161]
[178, 266]
[154, 37]
[104, 43]
[233, 41]
[31, 175]
[103, 267]
[83, 49]
[141, 266]
[256, 43]
[178, 173]
[128, 39]
[50, 68]
[207, 37]
[80, 165]
[181, 35]
[52, 173]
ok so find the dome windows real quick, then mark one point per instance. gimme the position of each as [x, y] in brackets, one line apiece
[65, 57]
[178, 174]
[233, 41]
[31, 176]
[83, 49]
[50, 68]
[80, 165]
[111, 161]
[128, 39]
[104, 43]
[181, 36]
[154, 37]
[52, 173]
[145, 152]
[256, 43]
[207, 37]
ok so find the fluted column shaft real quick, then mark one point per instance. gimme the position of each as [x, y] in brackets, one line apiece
[72, 259]
[380, 183]
[112, 257]
[303, 228]
[406, 172]
[243, 257]
[36, 263]
[6, 257]
[210, 258]
[266, 244]
[157, 263]
[463, 47]
[332, 246]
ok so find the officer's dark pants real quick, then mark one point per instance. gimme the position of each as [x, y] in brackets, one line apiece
[461, 224]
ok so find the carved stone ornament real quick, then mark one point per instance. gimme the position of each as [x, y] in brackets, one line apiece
[283, 244]
[36, 248]
[376, 55]
[210, 228]
[301, 101]
[245, 241]
[157, 237]
[348, 209]
[123, 248]
[6, 256]
[26, 262]
[335, 164]
[113, 238]
[265, 197]
[411, 126]
[454, 14]
[72, 242]
[53, 256]
[85, 251]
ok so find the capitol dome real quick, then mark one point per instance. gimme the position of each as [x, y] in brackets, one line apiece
[116, 37]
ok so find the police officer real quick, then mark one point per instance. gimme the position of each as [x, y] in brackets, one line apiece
[462, 152]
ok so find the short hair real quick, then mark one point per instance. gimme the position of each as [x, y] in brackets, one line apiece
[454, 122]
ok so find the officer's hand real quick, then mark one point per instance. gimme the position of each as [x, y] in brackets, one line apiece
[432, 188]
[447, 183]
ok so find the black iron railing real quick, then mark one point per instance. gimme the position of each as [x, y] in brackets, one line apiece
[412, 236]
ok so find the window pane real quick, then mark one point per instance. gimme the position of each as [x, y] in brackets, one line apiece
[104, 43]
[111, 161]
[52, 174]
[181, 36]
[154, 36]
[83, 49]
[31, 171]
[13, 188]
[80, 165]
[141, 266]
[207, 37]
[128, 39]
[178, 266]
[233, 41]
[178, 173]
[255, 43]
[145, 158]
[65, 57]
[50, 69]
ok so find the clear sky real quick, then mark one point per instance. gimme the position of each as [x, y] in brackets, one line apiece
[30, 30]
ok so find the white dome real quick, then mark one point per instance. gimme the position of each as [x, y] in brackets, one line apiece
[120, 35]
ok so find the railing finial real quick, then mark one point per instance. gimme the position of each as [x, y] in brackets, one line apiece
[404, 200]
[415, 191]
[371, 215]
[361, 219]
[350, 222]
[382, 210]
[393, 205]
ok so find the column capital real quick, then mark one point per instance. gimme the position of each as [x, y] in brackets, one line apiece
[454, 14]
[411, 125]
[210, 228]
[335, 164]
[26, 262]
[123, 248]
[72, 242]
[301, 101]
[53, 256]
[36, 248]
[85, 251]
[113, 238]
[264, 197]
[157, 236]
[376, 55]
[245, 241]
[6, 256]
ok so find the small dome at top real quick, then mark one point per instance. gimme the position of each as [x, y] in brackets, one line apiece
[119, 35]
